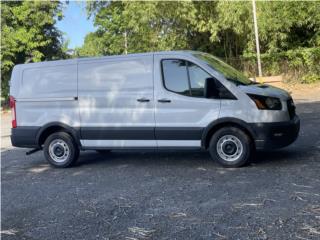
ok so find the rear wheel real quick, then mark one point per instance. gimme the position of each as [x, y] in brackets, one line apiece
[61, 150]
[231, 147]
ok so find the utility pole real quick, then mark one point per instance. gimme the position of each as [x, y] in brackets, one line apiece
[125, 42]
[257, 36]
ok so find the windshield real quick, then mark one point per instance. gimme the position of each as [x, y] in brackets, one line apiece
[226, 70]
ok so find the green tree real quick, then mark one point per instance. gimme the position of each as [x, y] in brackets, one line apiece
[139, 26]
[289, 31]
[288, 25]
[228, 24]
[93, 45]
[223, 28]
[154, 26]
[28, 34]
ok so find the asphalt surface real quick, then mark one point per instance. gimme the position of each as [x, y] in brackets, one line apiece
[166, 195]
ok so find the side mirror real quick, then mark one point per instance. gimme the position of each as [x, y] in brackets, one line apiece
[210, 88]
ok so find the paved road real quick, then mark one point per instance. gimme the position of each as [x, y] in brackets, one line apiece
[182, 195]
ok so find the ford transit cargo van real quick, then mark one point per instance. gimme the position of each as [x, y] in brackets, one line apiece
[161, 100]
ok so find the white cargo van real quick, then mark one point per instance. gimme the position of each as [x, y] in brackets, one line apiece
[181, 99]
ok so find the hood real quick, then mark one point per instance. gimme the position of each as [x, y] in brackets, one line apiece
[265, 90]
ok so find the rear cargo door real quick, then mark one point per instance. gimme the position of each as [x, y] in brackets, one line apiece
[116, 102]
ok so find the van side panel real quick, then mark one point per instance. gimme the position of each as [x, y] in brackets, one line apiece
[49, 82]
[39, 113]
[15, 80]
[109, 93]
[44, 93]
[47, 94]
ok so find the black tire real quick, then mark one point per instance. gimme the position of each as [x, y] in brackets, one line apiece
[103, 151]
[65, 141]
[230, 153]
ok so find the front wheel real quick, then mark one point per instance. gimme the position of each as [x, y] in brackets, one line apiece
[61, 150]
[231, 147]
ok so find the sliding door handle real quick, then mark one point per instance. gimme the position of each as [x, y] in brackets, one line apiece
[143, 100]
[164, 100]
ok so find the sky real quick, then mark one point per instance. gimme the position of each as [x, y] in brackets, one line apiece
[75, 24]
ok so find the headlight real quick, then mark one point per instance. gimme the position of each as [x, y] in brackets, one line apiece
[266, 103]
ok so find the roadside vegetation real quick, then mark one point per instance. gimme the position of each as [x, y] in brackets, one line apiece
[28, 34]
[289, 33]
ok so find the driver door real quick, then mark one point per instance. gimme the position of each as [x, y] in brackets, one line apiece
[181, 110]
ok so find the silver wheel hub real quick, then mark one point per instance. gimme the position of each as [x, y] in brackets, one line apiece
[229, 148]
[59, 150]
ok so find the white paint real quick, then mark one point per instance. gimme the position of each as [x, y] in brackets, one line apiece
[140, 143]
[118, 143]
[179, 143]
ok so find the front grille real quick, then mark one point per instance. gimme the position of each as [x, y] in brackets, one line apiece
[291, 108]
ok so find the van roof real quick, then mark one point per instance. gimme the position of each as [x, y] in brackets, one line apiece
[76, 60]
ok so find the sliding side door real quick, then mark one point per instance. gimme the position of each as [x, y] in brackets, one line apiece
[116, 102]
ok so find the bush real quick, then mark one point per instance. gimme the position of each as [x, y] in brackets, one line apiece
[299, 65]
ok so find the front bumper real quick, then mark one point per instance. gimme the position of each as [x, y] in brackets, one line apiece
[275, 135]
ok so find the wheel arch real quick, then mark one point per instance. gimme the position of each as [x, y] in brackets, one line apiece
[52, 127]
[223, 122]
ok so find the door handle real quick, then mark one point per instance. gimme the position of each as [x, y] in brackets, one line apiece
[143, 100]
[164, 100]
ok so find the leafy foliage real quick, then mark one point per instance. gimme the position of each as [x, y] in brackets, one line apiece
[28, 34]
[289, 32]
[299, 65]
[289, 25]
[142, 26]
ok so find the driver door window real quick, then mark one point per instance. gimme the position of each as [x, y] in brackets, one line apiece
[184, 77]
[197, 78]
